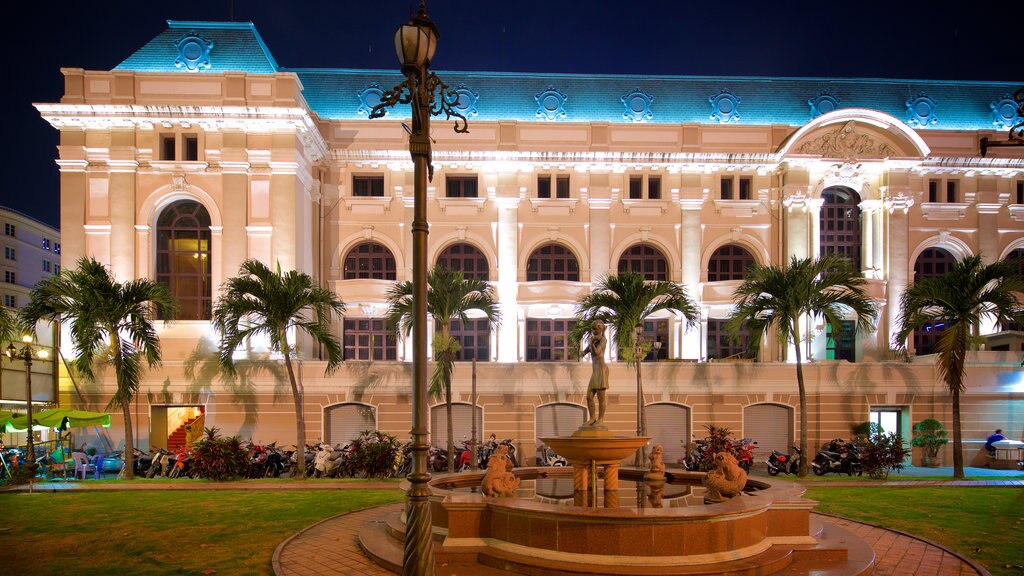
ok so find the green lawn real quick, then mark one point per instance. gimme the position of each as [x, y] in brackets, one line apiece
[984, 524]
[235, 532]
[158, 532]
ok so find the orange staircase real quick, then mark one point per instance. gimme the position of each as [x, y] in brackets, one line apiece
[178, 438]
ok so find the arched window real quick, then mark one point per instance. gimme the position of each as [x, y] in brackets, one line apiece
[465, 258]
[344, 422]
[370, 260]
[552, 262]
[931, 263]
[840, 224]
[729, 262]
[646, 260]
[183, 257]
[1016, 260]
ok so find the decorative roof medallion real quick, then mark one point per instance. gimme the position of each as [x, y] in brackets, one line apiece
[551, 104]
[368, 98]
[823, 104]
[1005, 112]
[638, 106]
[193, 52]
[847, 143]
[466, 101]
[725, 107]
[921, 111]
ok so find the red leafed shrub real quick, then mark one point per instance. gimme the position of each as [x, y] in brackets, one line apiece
[219, 458]
[882, 453]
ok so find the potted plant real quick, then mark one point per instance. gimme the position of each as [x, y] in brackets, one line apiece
[930, 437]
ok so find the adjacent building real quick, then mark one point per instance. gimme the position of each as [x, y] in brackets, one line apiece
[199, 150]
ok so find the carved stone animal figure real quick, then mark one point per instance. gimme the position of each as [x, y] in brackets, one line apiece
[657, 463]
[726, 480]
[498, 481]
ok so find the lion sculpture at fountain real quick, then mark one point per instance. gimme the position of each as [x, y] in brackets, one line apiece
[725, 480]
[498, 481]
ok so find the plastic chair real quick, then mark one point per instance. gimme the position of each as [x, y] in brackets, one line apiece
[82, 465]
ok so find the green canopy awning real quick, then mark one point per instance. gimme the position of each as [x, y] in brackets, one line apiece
[57, 418]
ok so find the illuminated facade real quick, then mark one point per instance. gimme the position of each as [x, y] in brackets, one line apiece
[199, 151]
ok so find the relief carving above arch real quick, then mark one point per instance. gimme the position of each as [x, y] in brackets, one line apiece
[847, 143]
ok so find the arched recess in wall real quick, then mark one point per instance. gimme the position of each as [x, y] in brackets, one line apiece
[839, 230]
[369, 260]
[553, 260]
[466, 257]
[771, 426]
[668, 252]
[345, 245]
[462, 424]
[209, 260]
[668, 424]
[557, 419]
[343, 422]
[645, 258]
[851, 134]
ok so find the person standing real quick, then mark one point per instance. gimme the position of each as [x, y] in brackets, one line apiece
[599, 378]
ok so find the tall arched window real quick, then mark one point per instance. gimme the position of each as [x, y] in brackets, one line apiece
[729, 262]
[370, 260]
[552, 262]
[465, 258]
[1016, 260]
[183, 257]
[931, 263]
[840, 224]
[646, 260]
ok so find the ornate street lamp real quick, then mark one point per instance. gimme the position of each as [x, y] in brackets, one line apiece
[27, 354]
[415, 43]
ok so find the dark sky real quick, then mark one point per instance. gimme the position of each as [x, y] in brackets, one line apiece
[947, 39]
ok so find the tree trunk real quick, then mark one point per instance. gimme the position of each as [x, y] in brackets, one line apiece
[958, 452]
[129, 438]
[451, 428]
[807, 454]
[300, 423]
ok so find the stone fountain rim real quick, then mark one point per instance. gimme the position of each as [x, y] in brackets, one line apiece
[776, 494]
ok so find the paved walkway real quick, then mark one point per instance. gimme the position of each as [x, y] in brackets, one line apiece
[331, 547]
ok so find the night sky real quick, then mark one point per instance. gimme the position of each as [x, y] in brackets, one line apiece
[947, 40]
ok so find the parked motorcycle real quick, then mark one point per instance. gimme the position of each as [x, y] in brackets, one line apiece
[839, 457]
[548, 457]
[691, 462]
[782, 462]
[743, 450]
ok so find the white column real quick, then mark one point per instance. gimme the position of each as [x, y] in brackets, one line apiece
[898, 272]
[508, 279]
[690, 341]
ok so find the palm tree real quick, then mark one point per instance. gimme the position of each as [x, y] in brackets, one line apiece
[780, 297]
[263, 302]
[450, 297]
[111, 322]
[970, 292]
[623, 303]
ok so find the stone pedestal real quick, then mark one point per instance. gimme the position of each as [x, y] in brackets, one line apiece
[587, 450]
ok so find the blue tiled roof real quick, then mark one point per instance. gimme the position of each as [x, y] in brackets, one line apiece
[511, 96]
[237, 47]
[334, 93]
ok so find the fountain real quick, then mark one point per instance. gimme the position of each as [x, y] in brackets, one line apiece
[766, 529]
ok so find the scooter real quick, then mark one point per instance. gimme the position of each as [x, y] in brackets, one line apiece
[782, 462]
[548, 457]
[744, 453]
[839, 456]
